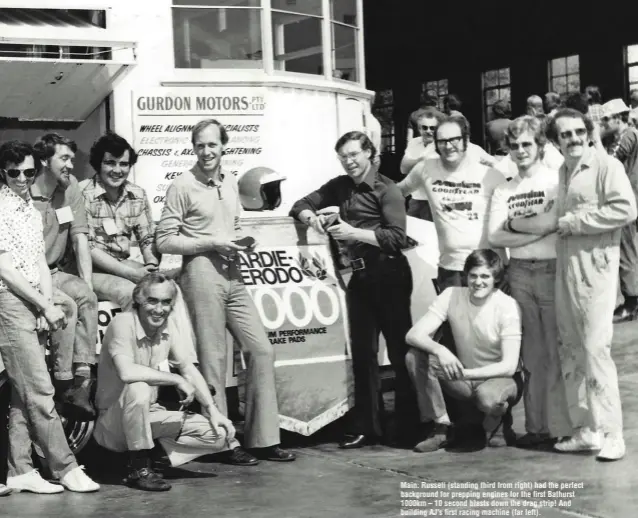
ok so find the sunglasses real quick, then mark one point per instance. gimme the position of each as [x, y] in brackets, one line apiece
[515, 146]
[426, 128]
[454, 141]
[15, 173]
[579, 132]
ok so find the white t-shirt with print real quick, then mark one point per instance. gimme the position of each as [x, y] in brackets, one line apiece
[524, 197]
[478, 330]
[460, 203]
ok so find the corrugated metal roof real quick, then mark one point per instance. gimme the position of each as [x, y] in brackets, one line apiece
[35, 18]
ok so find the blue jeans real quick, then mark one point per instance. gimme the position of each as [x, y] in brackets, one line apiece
[32, 417]
[76, 342]
[533, 287]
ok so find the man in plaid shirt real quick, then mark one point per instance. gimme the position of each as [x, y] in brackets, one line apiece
[117, 211]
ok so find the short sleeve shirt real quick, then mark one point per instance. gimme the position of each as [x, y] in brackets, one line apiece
[478, 330]
[126, 336]
[56, 234]
[460, 203]
[21, 235]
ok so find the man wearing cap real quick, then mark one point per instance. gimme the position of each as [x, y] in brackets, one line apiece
[615, 121]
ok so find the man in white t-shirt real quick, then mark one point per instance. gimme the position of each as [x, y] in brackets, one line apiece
[522, 218]
[482, 376]
[459, 190]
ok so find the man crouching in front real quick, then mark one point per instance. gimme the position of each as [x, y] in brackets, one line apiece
[137, 344]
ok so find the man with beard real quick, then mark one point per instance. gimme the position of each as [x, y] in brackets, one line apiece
[57, 196]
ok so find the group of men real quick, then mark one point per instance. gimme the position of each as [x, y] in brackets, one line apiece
[567, 217]
[85, 232]
[67, 244]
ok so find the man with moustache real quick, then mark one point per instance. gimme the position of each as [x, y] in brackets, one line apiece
[427, 121]
[595, 201]
[57, 196]
[522, 215]
[200, 222]
[117, 211]
[371, 227]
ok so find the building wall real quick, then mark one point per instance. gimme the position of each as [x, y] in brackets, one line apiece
[458, 41]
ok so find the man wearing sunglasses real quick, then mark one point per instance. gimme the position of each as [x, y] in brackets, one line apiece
[137, 348]
[427, 120]
[615, 120]
[522, 218]
[57, 196]
[27, 312]
[595, 201]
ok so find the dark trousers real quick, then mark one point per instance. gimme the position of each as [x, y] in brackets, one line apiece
[378, 300]
[629, 261]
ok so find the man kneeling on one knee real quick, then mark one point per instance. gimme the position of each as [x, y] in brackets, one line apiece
[136, 345]
[483, 377]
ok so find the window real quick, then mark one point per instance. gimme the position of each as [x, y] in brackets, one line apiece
[297, 38]
[217, 33]
[496, 87]
[632, 66]
[383, 110]
[345, 39]
[564, 75]
[438, 89]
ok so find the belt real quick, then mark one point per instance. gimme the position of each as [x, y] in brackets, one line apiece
[359, 263]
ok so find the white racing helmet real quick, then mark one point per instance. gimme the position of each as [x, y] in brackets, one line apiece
[260, 189]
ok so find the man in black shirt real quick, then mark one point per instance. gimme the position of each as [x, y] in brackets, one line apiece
[371, 225]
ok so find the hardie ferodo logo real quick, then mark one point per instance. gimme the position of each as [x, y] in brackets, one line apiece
[314, 268]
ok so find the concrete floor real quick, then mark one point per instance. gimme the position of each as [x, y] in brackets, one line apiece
[327, 482]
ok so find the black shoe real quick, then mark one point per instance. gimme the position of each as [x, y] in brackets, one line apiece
[147, 480]
[239, 457]
[625, 313]
[466, 439]
[352, 442]
[274, 453]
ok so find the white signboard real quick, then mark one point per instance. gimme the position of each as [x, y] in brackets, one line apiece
[164, 117]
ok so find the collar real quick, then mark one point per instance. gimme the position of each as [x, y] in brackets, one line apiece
[36, 194]
[101, 191]
[13, 198]
[368, 181]
[586, 161]
[140, 334]
[203, 177]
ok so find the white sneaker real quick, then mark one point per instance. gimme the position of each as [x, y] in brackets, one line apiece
[78, 481]
[4, 490]
[613, 448]
[34, 483]
[583, 440]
